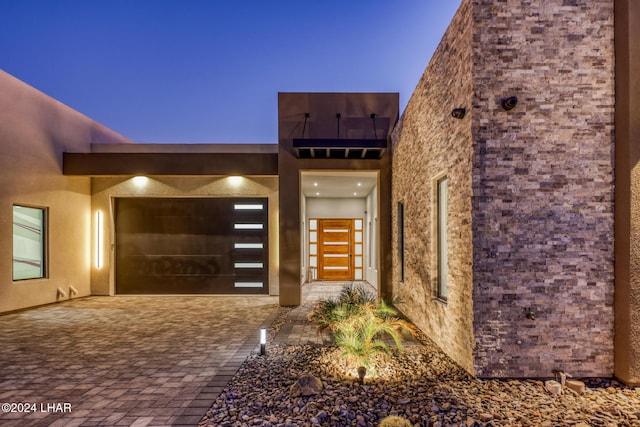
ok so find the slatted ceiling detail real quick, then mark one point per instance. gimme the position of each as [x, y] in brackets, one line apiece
[340, 148]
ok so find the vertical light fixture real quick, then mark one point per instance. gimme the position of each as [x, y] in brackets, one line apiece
[263, 341]
[99, 232]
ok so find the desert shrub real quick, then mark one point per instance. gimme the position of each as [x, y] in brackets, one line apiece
[360, 324]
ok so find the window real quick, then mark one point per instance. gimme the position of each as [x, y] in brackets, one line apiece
[401, 239]
[29, 240]
[442, 238]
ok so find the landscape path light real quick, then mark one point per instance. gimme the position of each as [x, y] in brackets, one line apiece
[263, 341]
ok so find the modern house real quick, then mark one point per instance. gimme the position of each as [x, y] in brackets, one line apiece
[500, 207]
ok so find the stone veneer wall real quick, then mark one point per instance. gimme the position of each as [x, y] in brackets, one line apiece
[428, 142]
[543, 187]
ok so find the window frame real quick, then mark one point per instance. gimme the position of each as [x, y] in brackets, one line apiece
[44, 242]
[441, 237]
[401, 239]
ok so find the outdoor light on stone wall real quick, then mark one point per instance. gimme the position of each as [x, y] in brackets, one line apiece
[530, 314]
[263, 341]
[458, 113]
[509, 103]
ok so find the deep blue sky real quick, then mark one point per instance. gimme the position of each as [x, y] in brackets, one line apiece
[210, 70]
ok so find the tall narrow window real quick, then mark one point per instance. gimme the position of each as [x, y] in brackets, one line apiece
[401, 239]
[29, 237]
[442, 238]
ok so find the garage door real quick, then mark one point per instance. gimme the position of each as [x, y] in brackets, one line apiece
[191, 246]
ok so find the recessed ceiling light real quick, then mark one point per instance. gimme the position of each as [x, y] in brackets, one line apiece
[359, 184]
[315, 184]
[355, 194]
[317, 194]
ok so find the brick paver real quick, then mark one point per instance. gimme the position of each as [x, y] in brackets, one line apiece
[140, 361]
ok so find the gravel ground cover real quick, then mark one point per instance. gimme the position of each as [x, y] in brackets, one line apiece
[421, 384]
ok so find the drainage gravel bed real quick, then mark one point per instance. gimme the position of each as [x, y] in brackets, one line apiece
[420, 384]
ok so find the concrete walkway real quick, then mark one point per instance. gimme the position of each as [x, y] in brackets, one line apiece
[297, 329]
[140, 361]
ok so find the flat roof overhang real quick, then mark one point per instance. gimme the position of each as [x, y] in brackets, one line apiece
[109, 164]
[339, 148]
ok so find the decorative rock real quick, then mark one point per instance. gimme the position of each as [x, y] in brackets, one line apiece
[421, 385]
[395, 421]
[485, 417]
[307, 385]
[553, 387]
[575, 385]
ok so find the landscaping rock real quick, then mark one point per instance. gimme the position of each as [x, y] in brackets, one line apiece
[577, 386]
[307, 385]
[421, 385]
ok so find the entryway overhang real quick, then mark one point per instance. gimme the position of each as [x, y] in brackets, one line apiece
[339, 148]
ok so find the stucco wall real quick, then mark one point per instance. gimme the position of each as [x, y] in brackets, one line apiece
[105, 189]
[327, 207]
[543, 187]
[35, 130]
[427, 143]
[322, 109]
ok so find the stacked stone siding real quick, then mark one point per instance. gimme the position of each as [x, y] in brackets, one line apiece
[530, 189]
[427, 143]
[543, 187]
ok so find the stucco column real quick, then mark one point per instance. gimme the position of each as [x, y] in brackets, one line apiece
[627, 234]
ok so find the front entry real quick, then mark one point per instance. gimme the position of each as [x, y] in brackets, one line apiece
[339, 248]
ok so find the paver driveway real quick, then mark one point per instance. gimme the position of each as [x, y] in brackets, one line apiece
[157, 360]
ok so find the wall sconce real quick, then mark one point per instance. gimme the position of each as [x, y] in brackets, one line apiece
[458, 113]
[263, 341]
[530, 314]
[509, 103]
[99, 234]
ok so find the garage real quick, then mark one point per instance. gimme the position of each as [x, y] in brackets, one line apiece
[191, 245]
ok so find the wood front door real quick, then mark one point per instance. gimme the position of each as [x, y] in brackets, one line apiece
[335, 255]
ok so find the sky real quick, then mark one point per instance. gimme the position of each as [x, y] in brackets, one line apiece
[209, 71]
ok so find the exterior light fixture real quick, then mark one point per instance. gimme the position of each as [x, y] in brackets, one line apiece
[235, 180]
[263, 341]
[362, 372]
[458, 113]
[509, 103]
[140, 181]
[99, 233]
[530, 314]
